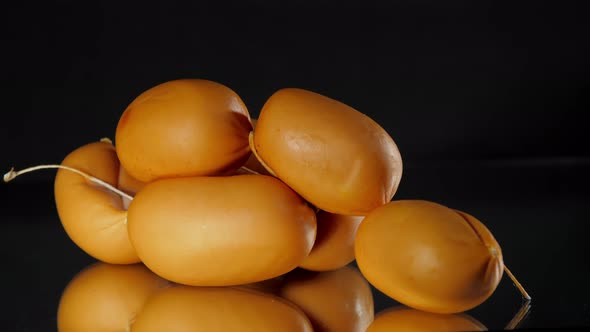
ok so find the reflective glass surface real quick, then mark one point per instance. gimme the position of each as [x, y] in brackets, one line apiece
[538, 213]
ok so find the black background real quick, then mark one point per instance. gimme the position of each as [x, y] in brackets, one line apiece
[485, 100]
[448, 80]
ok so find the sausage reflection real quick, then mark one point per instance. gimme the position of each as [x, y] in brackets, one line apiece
[402, 318]
[105, 297]
[223, 309]
[339, 300]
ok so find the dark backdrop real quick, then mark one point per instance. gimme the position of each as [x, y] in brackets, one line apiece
[448, 80]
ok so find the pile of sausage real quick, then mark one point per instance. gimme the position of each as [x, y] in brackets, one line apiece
[216, 198]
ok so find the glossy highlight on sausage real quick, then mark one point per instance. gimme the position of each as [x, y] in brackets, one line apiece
[429, 257]
[186, 127]
[220, 231]
[335, 157]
